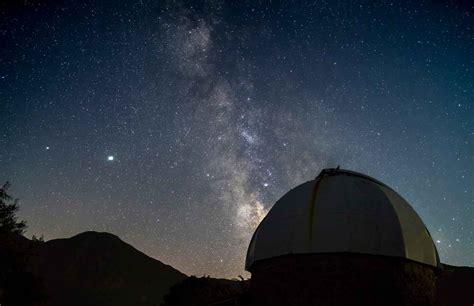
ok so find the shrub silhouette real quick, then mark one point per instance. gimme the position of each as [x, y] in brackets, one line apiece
[203, 291]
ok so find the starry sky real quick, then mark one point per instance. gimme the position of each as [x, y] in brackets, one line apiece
[176, 125]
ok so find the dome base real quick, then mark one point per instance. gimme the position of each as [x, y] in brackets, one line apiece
[342, 279]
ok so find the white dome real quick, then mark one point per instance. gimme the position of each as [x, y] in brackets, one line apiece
[342, 212]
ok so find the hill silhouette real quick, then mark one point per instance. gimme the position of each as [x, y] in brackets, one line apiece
[91, 269]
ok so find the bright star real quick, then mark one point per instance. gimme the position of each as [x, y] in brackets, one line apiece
[110, 158]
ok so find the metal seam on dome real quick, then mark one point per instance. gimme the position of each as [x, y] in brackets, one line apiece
[312, 204]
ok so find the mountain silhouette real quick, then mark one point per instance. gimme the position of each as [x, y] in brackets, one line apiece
[92, 268]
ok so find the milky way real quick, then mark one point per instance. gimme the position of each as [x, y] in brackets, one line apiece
[177, 125]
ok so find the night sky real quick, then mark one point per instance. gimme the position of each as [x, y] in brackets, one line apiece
[176, 126]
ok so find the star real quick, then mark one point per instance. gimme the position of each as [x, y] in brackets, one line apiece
[224, 126]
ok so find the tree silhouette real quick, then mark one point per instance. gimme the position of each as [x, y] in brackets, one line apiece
[18, 286]
[8, 209]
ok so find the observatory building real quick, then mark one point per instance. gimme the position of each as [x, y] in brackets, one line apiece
[343, 238]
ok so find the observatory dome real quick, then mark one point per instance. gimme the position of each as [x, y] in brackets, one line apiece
[341, 211]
